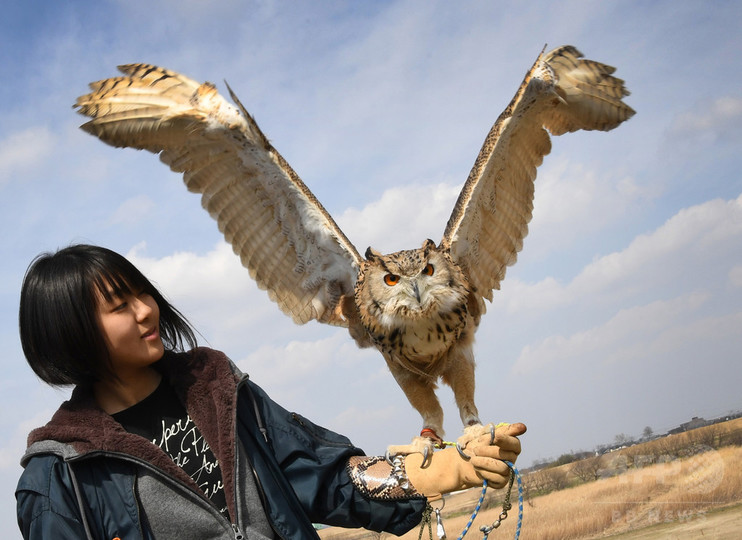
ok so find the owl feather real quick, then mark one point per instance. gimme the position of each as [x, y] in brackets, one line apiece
[419, 307]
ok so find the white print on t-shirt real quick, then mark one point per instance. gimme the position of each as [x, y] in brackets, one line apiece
[183, 442]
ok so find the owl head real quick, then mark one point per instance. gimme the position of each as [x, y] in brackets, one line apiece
[410, 284]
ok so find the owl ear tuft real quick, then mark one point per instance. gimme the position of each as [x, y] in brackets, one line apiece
[371, 254]
[428, 245]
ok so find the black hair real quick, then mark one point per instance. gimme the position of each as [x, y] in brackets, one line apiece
[60, 333]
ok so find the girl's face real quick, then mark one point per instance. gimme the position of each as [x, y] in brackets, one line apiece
[131, 329]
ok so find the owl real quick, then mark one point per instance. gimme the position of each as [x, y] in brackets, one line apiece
[421, 307]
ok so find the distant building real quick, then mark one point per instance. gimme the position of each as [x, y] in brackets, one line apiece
[694, 423]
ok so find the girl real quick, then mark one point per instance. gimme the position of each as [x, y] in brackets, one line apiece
[162, 439]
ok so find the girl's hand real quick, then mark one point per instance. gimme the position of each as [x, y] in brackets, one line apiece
[488, 460]
[448, 471]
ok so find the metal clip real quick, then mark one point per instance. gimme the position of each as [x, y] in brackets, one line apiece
[439, 527]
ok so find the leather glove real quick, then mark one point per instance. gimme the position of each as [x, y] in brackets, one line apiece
[448, 471]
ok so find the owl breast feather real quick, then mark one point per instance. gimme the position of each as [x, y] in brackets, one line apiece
[422, 339]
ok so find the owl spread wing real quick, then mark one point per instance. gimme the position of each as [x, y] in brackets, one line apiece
[285, 238]
[561, 93]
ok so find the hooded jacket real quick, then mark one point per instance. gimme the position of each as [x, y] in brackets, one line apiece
[87, 477]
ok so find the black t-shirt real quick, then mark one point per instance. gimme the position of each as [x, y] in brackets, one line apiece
[162, 419]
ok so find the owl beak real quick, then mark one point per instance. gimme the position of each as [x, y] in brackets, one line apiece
[416, 291]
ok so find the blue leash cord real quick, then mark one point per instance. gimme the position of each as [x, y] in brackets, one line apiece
[486, 530]
[475, 512]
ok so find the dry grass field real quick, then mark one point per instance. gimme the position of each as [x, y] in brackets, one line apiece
[682, 486]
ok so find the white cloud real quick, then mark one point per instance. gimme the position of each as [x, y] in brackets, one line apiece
[677, 248]
[632, 334]
[296, 362]
[677, 254]
[710, 121]
[216, 274]
[637, 321]
[24, 150]
[573, 202]
[396, 219]
[133, 210]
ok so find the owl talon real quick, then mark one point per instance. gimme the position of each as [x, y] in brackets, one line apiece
[424, 444]
[470, 437]
[427, 457]
[464, 456]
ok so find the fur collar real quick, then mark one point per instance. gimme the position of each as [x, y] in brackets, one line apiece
[205, 381]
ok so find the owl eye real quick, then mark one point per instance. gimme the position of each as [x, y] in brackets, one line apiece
[391, 279]
[429, 270]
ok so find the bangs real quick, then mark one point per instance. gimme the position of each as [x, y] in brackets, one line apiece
[114, 281]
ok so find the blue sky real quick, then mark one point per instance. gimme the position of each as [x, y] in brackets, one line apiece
[624, 308]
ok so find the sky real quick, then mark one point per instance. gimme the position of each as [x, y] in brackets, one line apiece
[624, 309]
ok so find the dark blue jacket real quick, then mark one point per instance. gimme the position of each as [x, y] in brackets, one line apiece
[86, 477]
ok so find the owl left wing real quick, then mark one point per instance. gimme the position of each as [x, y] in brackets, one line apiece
[288, 242]
[561, 93]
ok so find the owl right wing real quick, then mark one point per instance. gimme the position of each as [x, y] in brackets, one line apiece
[288, 242]
[561, 93]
